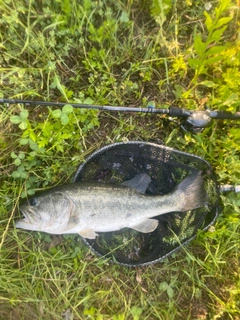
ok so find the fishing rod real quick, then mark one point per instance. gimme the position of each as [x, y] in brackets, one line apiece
[192, 120]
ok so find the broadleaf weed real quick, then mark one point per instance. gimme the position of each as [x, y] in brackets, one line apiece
[207, 51]
[211, 52]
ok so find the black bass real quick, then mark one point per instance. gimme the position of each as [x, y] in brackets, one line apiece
[87, 208]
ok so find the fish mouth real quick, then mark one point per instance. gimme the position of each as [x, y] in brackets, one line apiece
[28, 219]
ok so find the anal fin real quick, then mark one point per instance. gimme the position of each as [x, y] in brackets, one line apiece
[146, 226]
[88, 233]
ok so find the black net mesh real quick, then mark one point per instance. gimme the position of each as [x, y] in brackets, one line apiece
[167, 167]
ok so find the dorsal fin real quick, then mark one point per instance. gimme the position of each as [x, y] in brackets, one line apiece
[139, 183]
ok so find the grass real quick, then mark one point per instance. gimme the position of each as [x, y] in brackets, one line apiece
[120, 53]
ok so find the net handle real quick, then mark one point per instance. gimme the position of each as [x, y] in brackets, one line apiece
[230, 187]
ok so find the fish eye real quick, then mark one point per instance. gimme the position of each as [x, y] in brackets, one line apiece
[33, 202]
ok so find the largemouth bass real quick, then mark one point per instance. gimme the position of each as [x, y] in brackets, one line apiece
[87, 208]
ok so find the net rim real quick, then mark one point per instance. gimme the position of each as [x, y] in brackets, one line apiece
[159, 146]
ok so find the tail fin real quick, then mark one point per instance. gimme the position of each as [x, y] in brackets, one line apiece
[192, 191]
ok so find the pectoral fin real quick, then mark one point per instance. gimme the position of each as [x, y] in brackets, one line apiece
[88, 233]
[148, 225]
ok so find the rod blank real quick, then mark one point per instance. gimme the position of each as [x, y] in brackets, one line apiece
[85, 106]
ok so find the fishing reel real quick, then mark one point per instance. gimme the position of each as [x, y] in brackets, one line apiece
[192, 120]
[197, 120]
